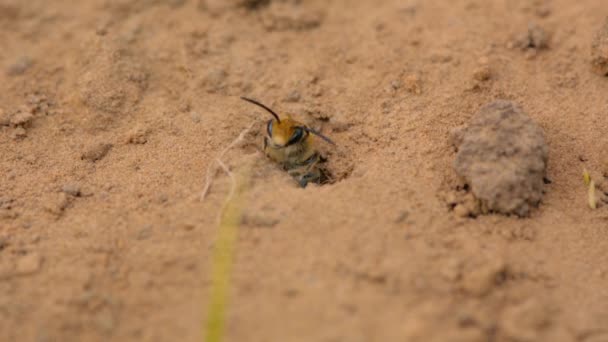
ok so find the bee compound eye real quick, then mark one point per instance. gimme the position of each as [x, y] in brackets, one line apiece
[269, 128]
[296, 136]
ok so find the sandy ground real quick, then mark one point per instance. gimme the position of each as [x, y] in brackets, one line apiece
[112, 110]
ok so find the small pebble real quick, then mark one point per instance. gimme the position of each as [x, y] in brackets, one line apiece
[535, 38]
[482, 73]
[195, 116]
[293, 96]
[96, 152]
[71, 189]
[20, 66]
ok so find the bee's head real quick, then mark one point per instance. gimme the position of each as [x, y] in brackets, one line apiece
[287, 131]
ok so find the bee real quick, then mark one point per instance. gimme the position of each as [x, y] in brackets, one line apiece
[291, 144]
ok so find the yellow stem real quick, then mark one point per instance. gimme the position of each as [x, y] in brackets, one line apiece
[223, 258]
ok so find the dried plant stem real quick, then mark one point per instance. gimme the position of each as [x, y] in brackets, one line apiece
[223, 256]
[213, 167]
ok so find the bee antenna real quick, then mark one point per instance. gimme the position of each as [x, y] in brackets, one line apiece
[263, 106]
[317, 133]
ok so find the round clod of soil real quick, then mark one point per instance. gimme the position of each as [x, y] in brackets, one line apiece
[502, 156]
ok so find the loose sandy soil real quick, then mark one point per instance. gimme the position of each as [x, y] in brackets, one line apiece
[112, 110]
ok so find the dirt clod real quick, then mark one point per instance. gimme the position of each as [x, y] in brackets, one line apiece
[72, 189]
[96, 152]
[503, 157]
[482, 73]
[599, 50]
[20, 66]
[535, 38]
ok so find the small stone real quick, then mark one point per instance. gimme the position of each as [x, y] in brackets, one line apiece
[195, 116]
[293, 96]
[72, 189]
[20, 66]
[482, 73]
[395, 84]
[534, 38]
[28, 264]
[413, 84]
[96, 152]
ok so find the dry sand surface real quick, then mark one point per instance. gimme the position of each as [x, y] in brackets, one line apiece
[112, 110]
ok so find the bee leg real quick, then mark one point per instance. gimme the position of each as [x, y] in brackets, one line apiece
[310, 177]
